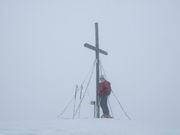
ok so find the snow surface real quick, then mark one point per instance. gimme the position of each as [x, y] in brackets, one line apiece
[81, 127]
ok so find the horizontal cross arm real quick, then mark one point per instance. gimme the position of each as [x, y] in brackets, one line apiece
[95, 49]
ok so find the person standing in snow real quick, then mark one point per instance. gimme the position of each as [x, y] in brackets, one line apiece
[104, 90]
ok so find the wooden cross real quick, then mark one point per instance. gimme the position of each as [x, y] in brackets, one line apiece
[97, 51]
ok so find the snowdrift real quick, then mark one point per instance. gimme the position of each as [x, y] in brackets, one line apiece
[81, 127]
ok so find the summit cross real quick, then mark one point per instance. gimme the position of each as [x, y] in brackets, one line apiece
[97, 51]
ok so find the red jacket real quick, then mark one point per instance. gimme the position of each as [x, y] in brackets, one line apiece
[104, 87]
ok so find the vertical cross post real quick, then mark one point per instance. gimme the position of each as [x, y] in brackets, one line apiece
[97, 70]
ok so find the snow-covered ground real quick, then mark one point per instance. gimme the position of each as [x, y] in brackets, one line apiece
[82, 127]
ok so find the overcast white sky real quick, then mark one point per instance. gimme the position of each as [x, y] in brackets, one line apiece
[42, 56]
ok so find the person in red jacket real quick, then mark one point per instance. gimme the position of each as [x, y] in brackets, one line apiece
[104, 90]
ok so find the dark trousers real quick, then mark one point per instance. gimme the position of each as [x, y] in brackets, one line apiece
[103, 103]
